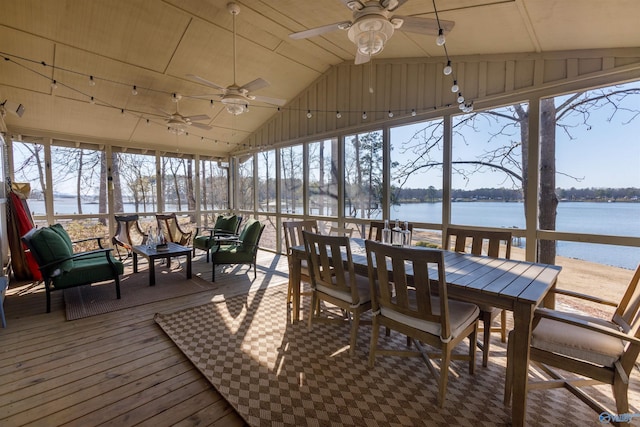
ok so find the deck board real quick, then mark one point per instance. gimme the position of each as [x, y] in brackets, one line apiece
[115, 369]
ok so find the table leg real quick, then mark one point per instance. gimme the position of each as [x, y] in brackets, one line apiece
[152, 271]
[522, 318]
[188, 265]
[295, 286]
[135, 262]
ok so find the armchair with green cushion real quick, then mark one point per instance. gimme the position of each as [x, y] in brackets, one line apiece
[240, 251]
[61, 268]
[226, 225]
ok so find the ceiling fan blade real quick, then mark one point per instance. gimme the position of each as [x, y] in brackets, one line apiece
[361, 58]
[206, 82]
[201, 126]
[209, 96]
[165, 113]
[320, 30]
[392, 5]
[197, 117]
[257, 84]
[268, 100]
[354, 5]
[426, 26]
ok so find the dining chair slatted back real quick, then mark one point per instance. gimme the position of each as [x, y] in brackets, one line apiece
[341, 231]
[404, 299]
[293, 237]
[334, 280]
[592, 349]
[495, 244]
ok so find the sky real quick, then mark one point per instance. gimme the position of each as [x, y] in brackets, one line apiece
[605, 154]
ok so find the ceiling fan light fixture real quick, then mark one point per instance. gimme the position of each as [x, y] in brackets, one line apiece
[235, 104]
[370, 34]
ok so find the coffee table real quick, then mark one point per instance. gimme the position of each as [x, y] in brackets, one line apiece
[151, 254]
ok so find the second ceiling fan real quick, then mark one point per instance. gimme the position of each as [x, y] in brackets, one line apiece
[236, 98]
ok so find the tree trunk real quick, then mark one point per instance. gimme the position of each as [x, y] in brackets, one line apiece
[548, 201]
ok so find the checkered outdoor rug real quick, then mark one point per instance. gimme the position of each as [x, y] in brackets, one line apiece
[275, 373]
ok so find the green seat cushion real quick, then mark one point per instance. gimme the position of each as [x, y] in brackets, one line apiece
[203, 242]
[50, 246]
[232, 255]
[228, 223]
[89, 270]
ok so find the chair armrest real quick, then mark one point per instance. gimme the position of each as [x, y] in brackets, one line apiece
[584, 297]
[546, 313]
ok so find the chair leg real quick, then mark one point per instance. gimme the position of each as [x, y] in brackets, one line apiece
[620, 390]
[444, 375]
[314, 298]
[486, 337]
[503, 326]
[473, 338]
[213, 271]
[48, 292]
[117, 280]
[355, 322]
[374, 340]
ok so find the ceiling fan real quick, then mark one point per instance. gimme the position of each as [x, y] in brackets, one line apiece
[373, 25]
[236, 98]
[178, 123]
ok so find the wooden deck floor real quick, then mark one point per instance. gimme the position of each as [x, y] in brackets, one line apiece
[115, 369]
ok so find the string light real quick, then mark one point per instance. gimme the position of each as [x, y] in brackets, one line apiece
[447, 70]
[413, 112]
[440, 40]
[309, 115]
[54, 84]
[364, 115]
[92, 101]
[338, 115]
[455, 88]
[91, 81]
[134, 91]
[390, 114]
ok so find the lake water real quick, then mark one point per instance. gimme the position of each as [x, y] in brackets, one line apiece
[617, 219]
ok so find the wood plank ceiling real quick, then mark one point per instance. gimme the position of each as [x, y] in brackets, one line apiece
[155, 44]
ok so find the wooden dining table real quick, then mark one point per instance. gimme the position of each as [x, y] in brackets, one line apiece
[517, 286]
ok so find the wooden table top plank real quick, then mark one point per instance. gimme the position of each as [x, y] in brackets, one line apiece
[548, 275]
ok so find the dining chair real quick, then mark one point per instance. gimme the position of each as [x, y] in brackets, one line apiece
[340, 231]
[128, 233]
[403, 299]
[293, 237]
[597, 350]
[496, 244]
[334, 281]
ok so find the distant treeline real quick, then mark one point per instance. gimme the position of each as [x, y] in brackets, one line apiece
[431, 194]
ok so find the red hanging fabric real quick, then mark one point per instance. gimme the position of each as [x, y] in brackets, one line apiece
[20, 222]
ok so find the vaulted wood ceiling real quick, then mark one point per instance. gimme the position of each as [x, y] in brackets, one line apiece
[155, 44]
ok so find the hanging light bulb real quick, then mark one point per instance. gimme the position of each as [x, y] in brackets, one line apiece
[122, 111]
[134, 91]
[92, 101]
[54, 84]
[390, 113]
[338, 115]
[309, 115]
[148, 122]
[447, 70]
[470, 106]
[364, 115]
[413, 112]
[211, 103]
[91, 81]
[455, 87]
[440, 40]
[460, 98]
[462, 107]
